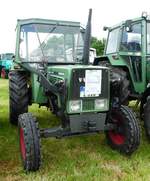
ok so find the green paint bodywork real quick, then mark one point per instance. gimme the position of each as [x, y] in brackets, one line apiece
[117, 58]
[53, 73]
[38, 95]
[61, 72]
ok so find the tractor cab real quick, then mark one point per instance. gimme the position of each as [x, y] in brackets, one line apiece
[49, 41]
[128, 46]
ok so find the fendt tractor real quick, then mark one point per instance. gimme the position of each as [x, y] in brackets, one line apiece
[127, 53]
[51, 68]
[5, 64]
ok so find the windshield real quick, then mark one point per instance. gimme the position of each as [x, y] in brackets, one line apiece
[7, 56]
[112, 41]
[51, 43]
[131, 41]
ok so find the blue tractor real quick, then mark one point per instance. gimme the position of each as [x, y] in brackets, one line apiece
[5, 64]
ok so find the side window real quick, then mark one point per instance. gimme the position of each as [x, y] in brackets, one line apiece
[131, 41]
[112, 41]
[148, 38]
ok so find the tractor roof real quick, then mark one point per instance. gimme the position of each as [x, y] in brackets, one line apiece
[123, 22]
[47, 21]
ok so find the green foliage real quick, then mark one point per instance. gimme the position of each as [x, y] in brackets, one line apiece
[98, 45]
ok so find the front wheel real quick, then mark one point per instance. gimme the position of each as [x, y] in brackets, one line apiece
[126, 136]
[29, 137]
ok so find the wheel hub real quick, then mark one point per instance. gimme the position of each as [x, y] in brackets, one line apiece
[22, 144]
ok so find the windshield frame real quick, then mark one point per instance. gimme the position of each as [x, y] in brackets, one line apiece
[81, 32]
[117, 41]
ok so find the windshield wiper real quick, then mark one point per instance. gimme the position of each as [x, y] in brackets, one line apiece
[42, 44]
[39, 41]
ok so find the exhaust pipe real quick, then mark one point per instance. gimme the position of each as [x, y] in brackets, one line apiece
[87, 40]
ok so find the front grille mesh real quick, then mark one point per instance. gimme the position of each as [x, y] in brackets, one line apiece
[87, 105]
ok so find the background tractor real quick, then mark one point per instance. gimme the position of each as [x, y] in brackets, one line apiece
[5, 64]
[127, 53]
[51, 69]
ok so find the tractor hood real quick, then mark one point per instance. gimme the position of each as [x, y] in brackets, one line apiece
[83, 83]
[65, 70]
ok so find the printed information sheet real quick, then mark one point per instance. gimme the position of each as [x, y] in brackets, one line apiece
[93, 80]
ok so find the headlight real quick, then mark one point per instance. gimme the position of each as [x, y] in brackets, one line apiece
[100, 103]
[75, 106]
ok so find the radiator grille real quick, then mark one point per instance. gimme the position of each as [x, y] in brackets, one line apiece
[87, 105]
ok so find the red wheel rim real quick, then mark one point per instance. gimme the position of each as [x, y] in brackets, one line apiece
[22, 144]
[117, 137]
[3, 73]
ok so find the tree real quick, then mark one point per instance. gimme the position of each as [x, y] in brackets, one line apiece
[98, 45]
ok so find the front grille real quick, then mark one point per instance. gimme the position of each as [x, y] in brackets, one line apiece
[87, 105]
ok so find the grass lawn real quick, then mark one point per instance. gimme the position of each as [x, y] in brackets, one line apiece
[85, 158]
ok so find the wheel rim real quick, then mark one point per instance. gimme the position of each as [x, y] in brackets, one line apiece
[117, 135]
[22, 144]
[3, 73]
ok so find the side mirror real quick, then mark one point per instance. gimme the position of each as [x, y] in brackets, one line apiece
[105, 28]
[144, 14]
[128, 25]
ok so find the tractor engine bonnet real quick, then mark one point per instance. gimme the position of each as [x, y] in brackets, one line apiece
[87, 87]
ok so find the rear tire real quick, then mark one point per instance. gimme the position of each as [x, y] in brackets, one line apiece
[147, 117]
[126, 137]
[29, 137]
[143, 102]
[18, 95]
[116, 73]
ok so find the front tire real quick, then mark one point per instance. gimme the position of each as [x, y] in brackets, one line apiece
[126, 137]
[18, 95]
[29, 136]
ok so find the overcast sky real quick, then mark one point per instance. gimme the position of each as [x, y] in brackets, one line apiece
[105, 12]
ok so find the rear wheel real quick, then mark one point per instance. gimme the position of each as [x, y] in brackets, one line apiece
[29, 137]
[18, 95]
[126, 136]
[143, 102]
[119, 74]
[124, 94]
[147, 117]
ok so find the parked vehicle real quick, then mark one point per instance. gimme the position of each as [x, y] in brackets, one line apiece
[5, 64]
[78, 93]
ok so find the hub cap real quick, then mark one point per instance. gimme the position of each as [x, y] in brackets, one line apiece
[117, 136]
[22, 144]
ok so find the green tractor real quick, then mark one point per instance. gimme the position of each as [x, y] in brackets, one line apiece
[51, 68]
[5, 64]
[127, 53]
